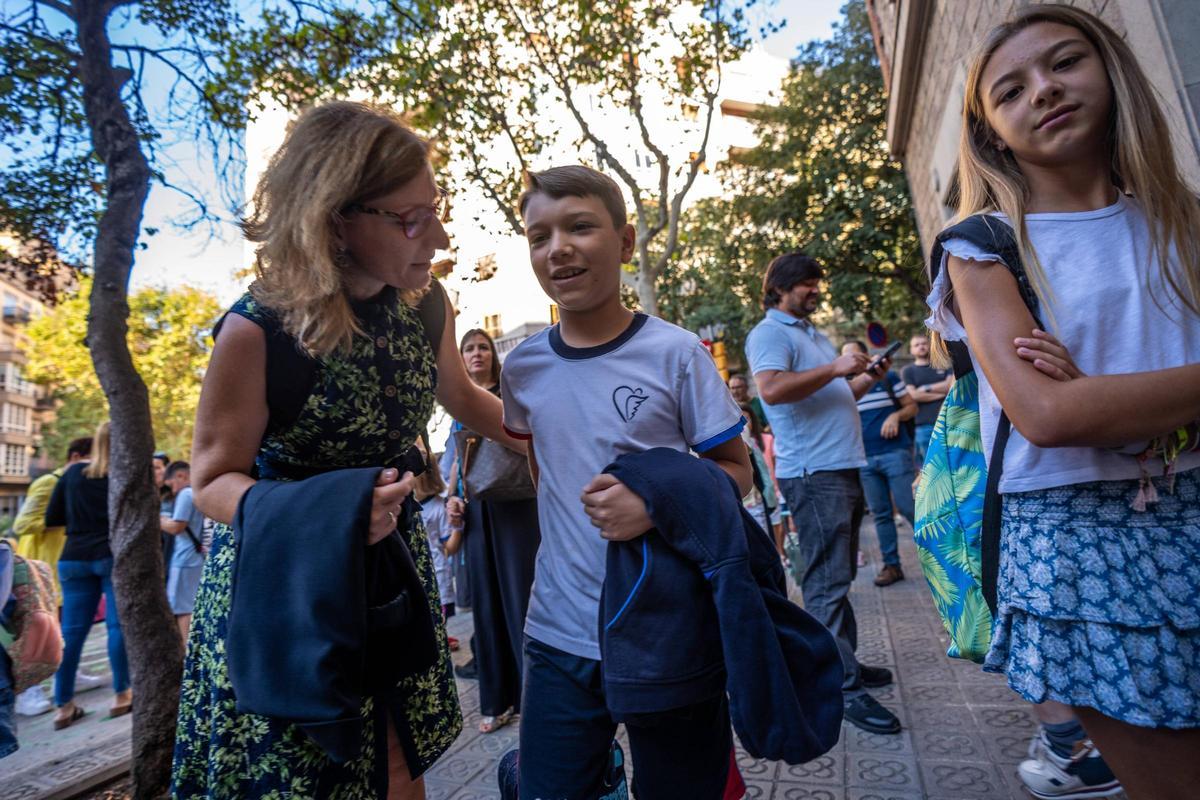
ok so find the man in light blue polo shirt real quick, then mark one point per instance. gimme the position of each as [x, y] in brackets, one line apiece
[809, 394]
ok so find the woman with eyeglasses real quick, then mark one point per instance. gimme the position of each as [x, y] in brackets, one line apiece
[347, 218]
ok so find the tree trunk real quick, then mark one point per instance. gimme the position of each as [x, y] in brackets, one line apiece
[647, 293]
[151, 637]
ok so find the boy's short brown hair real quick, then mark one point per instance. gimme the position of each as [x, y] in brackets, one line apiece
[575, 181]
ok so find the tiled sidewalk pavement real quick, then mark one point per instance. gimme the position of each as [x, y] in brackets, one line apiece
[92, 750]
[964, 730]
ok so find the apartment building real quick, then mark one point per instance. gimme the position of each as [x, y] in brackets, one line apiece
[24, 406]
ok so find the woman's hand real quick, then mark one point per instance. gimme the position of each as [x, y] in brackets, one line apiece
[390, 493]
[615, 509]
[456, 508]
[1049, 356]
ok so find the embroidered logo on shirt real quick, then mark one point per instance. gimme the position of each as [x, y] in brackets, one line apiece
[628, 401]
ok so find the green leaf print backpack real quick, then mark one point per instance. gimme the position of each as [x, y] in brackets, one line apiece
[957, 528]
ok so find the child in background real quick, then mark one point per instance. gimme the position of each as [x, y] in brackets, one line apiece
[444, 540]
[762, 502]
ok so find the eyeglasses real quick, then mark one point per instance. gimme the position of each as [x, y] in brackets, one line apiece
[416, 221]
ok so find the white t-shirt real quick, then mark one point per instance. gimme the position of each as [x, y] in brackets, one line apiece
[437, 525]
[1099, 265]
[653, 386]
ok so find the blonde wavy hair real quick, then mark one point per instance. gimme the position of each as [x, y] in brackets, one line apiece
[334, 155]
[1143, 162]
[98, 465]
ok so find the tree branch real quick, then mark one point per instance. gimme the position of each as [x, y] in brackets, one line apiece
[563, 83]
[61, 8]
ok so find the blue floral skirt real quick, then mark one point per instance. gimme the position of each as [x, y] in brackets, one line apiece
[1099, 605]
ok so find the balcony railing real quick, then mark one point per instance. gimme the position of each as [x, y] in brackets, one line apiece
[15, 315]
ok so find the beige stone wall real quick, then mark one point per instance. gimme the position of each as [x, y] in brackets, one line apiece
[953, 28]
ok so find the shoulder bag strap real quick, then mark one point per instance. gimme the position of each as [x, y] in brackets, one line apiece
[195, 542]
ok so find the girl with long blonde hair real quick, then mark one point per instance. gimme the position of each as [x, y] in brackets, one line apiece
[80, 504]
[1099, 585]
[347, 218]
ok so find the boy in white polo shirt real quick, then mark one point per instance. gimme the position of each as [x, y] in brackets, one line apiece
[602, 382]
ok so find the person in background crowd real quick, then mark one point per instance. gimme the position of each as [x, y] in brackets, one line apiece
[186, 524]
[763, 501]
[887, 478]
[739, 387]
[445, 538]
[166, 503]
[8, 720]
[36, 541]
[80, 503]
[928, 385]
[809, 394]
[501, 541]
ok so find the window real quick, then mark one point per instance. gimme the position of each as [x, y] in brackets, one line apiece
[16, 460]
[14, 419]
[491, 324]
[10, 505]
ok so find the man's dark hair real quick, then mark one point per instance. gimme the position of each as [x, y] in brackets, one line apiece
[575, 181]
[177, 467]
[786, 271]
[740, 376]
[862, 348]
[80, 447]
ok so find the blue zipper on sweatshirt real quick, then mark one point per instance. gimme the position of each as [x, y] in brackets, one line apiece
[636, 586]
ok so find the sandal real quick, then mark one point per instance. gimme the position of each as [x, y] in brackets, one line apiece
[120, 709]
[493, 724]
[77, 714]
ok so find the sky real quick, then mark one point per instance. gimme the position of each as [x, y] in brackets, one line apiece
[209, 259]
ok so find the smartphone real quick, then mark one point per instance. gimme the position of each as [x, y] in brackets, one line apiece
[891, 351]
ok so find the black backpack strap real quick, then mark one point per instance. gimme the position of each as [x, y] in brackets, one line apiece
[290, 372]
[432, 311]
[993, 235]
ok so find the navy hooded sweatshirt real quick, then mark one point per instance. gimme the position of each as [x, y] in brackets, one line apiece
[698, 605]
[307, 641]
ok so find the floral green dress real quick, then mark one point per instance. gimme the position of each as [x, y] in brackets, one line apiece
[364, 409]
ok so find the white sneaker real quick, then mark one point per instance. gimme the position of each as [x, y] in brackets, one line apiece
[1049, 776]
[33, 702]
[84, 682]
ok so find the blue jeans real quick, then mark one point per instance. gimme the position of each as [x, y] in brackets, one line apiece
[567, 733]
[923, 434]
[82, 583]
[885, 478]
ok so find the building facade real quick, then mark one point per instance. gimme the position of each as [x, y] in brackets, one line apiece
[923, 47]
[24, 406]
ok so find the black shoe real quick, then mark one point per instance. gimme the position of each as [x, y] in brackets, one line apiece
[865, 712]
[874, 677]
[467, 671]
